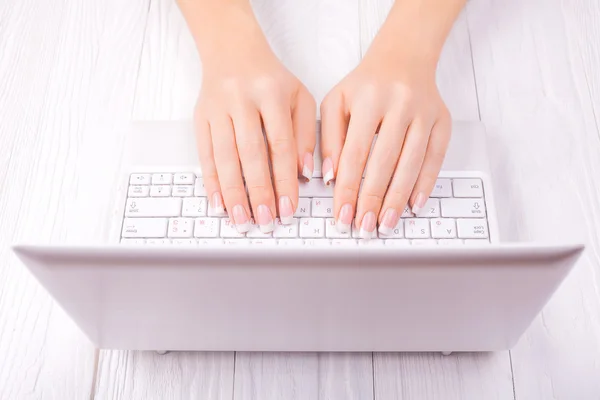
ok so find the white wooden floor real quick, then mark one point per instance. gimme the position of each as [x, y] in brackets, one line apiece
[528, 69]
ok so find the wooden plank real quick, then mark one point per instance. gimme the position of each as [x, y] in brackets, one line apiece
[52, 58]
[538, 86]
[166, 87]
[432, 376]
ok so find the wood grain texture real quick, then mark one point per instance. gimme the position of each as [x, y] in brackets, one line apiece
[51, 60]
[432, 376]
[538, 92]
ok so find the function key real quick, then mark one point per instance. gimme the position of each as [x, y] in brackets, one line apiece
[162, 179]
[139, 179]
[468, 188]
[184, 178]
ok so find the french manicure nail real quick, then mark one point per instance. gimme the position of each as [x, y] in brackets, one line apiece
[216, 204]
[367, 227]
[286, 210]
[390, 219]
[264, 219]
[344, 222]
[240, 218]
[308, 166]
[327, 170]
[419, 203]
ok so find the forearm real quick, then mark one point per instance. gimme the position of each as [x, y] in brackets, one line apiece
[417, 29]
[222, 27]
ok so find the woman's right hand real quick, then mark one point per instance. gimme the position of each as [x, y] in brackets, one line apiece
[245, 88]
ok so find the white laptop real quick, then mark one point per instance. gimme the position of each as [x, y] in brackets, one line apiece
[173, 276]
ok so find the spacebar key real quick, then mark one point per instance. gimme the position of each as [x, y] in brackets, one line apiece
[144, 227]
[153, 207]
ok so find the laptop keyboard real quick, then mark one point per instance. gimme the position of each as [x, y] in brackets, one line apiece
[172, 209]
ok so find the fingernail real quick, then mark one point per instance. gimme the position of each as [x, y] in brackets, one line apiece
[264, 218]
[344, 222]
[327, 170]
[367, 227]
[419, 203]
[286, 210]
[308, 166]
[241, 220]
[216, 204]
[389, 221]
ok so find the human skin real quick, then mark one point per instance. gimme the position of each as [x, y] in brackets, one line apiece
[393, 91]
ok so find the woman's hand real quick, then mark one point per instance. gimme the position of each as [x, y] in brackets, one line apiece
[245, 88]
[398, 97]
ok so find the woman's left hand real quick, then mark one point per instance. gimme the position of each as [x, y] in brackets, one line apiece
[397, 96]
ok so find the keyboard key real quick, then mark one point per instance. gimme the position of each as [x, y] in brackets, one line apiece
[463, 208]
[303, 209]
[315, 188]
[467, 188]
[181, 228]
[149, 207]
[450, 242]
[472, 228]
[322, 207]
[317, 242]
[443, 228]
[430, 210]
[138, 191]
[255, 232]
[228, 229]
[158, 242]
[209, 242]
[343, 242]
[140, 179]
[160, 191]
[184, 242]
[397, 242]
[263, 242]
[286, 231]
[184, 178]
[183, 191]
[133, 241]
[416, 228]
[424, 242]
[312, 227]
[407, 213]
[144, 228]
[396, 233]
[331, 230]
[442, 188]
[206, 227]
[236, 242]
[199, 190]
[477, 242]
[194, 207]
[371, 243]
[162, 179]
[291, 242]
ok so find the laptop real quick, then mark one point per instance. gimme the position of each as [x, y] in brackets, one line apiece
[173, 274]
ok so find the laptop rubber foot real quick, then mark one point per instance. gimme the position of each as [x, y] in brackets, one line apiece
[446, 353]
[161, 352]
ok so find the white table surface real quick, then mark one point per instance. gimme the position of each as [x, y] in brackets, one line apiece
[528, 68]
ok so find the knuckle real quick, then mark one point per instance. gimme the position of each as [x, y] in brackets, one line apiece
[233, 192]
[281, 145]
[251, 146]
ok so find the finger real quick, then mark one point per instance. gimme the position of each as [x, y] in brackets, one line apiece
[334, 125]
[434, 158]
[304, 121]
[405, 175]
[209, 169]
[277, 119]
[255, 163]
[361, 131]
[229, 171]
[381, 166]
